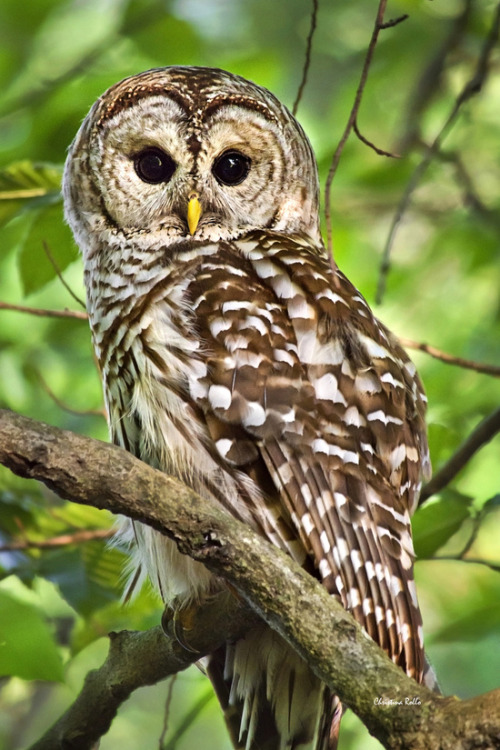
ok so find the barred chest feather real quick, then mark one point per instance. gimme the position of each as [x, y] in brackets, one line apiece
[256, 374]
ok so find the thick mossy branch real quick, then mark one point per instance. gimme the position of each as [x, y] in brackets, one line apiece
[400, 713]
[136, 659]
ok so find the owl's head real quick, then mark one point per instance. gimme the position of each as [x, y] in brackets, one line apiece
[185, 152]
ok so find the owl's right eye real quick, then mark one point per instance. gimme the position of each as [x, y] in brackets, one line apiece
[154, 166]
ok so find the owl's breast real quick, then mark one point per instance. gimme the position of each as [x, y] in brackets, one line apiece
[148, 410]
[153, 377]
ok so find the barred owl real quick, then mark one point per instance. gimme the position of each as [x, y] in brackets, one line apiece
[235, 357]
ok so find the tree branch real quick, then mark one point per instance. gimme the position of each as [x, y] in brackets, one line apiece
[307, 61]
[61, 278]
[137, 659]
[379, 25]
[370, 144]
[450, 359]
[63, 540]
[42, 313]
[279, 591]
[69, 409]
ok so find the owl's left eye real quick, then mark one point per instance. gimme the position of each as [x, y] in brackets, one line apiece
[154, 166]
[231, 167]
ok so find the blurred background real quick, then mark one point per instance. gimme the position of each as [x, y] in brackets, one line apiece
[60, 590]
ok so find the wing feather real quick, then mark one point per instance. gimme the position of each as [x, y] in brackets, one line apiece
[316, 398]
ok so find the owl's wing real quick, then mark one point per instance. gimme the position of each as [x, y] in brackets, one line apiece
[307, 394]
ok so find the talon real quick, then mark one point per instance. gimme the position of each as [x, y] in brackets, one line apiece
[177, 623]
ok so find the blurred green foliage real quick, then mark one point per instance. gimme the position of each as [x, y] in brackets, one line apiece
[57, 602]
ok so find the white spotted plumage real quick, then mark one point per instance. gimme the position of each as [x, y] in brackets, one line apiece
[235, 357]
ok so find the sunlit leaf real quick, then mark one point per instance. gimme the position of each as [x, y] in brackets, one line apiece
[437, 520]
[27, 647]
[142, 612]
[25, 179]
[23, 184]
[84, 516]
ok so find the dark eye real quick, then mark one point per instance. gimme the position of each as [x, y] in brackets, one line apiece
[231, 168]
[154, 166]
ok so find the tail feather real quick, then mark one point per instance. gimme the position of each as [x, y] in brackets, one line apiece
[270, 698]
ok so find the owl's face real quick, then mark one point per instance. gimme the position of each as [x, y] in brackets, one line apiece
[175, 153]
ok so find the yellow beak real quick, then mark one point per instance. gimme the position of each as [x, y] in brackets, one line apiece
[193, 212]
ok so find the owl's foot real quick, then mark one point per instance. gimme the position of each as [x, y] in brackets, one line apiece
[179, 621]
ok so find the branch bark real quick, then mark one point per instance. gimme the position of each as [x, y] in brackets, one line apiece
[136, 659]
[276, 589]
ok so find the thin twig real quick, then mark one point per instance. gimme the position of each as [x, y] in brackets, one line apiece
[476, 525]
[61, 279]
[189, 718]
[394, 21]
[307, 61]
[166, 714]
[475, 560]
[42, 313]
[350, 122]
[482, 434]
[65, 407]
[462, 556]
[472, 87]
[468, 364]
[64, 540]
[398, 216]
[363, 139]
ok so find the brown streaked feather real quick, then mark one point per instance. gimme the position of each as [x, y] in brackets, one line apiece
[356, 431]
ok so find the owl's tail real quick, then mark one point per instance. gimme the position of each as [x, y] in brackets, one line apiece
[270, 698]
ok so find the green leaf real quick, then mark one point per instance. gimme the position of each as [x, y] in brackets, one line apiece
[25, 179]
[84, 516]
[491, 505]
[436, 522]
[443, 441]
[48, 231]
[88, 577]
[144, 611]
[23, 184]
[27, 648]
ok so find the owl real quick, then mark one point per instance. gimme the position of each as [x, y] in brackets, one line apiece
[236, 357]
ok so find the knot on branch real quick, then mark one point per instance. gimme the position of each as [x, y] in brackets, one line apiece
[212, 539]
